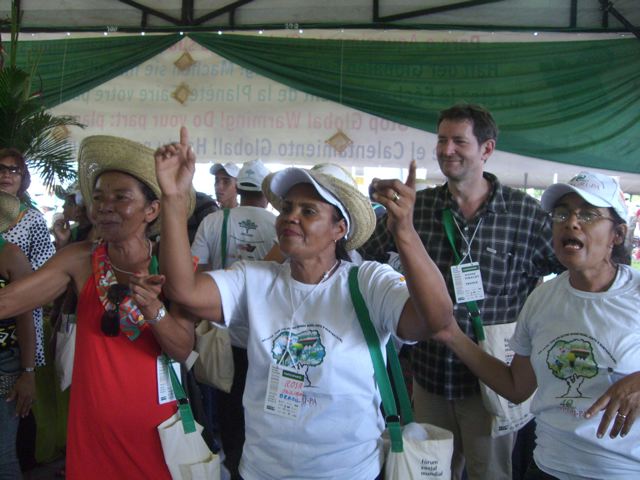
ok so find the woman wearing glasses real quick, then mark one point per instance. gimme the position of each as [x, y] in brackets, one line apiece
[122, 326]
[577, 341]
[30, 232]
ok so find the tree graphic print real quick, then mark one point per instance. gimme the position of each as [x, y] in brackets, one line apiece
[572, 361]
[305, 349]
[247, 225]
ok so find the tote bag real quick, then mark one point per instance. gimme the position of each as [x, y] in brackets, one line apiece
[507, 417]
[413, 451]
[185, 451]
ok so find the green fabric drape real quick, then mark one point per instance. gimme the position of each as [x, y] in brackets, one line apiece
[68, 68]
[571, 102]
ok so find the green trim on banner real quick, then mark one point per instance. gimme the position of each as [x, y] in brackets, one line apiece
[70, 67]
[572, 102]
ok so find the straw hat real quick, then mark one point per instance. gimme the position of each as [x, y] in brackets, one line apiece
[353, 205]
[9, 210]
[103, 153]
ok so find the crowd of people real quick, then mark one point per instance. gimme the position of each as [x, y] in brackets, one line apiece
[142, 258]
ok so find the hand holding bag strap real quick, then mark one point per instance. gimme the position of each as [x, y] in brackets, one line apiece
[474, 311]
[373, 342]
[223, 237]
[186, 415]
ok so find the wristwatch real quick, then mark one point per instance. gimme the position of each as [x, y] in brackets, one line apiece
[28, 369]
[162, 312]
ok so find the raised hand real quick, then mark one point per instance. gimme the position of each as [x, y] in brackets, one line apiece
[398, 198]
[61, 232]
[621, 404]
[175, 166]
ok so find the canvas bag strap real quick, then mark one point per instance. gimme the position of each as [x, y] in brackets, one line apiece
[472, 307]
[186, 415]
[223, 237]
[373, 342]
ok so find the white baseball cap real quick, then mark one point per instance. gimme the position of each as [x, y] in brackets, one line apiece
[251, 176]
[595, 188]
[231, 168]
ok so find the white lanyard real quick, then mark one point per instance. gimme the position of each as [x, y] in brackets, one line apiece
[295, 310]
[468, 243]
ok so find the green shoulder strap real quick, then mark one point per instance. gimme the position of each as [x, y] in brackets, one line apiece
[186, 415]
[382, 378]
[474, 311]
[3, 242]
[223, 238]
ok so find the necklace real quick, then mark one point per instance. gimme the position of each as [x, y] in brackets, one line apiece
[328, 273]
[126, 272]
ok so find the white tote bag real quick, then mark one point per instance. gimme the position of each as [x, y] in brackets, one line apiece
[214, 365]
[427, 452]
[186, 454]
[507, 417]
[65, 350]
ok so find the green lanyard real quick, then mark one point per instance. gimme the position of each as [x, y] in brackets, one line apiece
[223, 238]
[186, 415]
[472, 307]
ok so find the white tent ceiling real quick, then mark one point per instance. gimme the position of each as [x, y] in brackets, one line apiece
[572, 15]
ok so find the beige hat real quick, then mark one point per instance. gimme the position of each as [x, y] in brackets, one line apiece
[103, 153]
[9, 210]
[354, 206]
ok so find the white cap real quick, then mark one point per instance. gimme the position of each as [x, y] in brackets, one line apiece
[231, 168]
[595, 188]
[283, 180]
[251, 176]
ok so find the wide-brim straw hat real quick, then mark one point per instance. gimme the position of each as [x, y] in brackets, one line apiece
[9, 210]
[104, 153]
[355, 207]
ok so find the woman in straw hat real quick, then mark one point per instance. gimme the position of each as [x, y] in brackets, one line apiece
[577, 341]
[300, 317]
[17, 347]
[122, 326]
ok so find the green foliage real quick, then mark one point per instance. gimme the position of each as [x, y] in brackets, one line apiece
[27, 126]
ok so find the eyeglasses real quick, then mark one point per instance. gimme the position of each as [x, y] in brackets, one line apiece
[110, 324]
[12, 170]
[585, 217]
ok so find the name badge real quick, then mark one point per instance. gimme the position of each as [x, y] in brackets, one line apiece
[467, 282]
[284, 392]
[165, 390]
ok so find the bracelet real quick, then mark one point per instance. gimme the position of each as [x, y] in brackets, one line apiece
[159, 316]
[29, 369]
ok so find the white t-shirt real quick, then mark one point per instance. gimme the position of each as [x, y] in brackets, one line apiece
[251, 234]
[579, 344]
[337, 432]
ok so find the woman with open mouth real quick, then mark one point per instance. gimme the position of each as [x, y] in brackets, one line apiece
[577, 341]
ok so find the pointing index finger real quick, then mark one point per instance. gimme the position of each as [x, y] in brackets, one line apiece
[411, 178]
[184, 136]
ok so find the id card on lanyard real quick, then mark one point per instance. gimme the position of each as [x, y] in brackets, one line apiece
[284, 392]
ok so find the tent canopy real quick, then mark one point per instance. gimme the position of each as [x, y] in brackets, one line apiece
[562, 101]
[129, 15]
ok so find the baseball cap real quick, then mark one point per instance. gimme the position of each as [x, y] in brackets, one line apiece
[595, 188]
[231, 168]
[251, 176]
